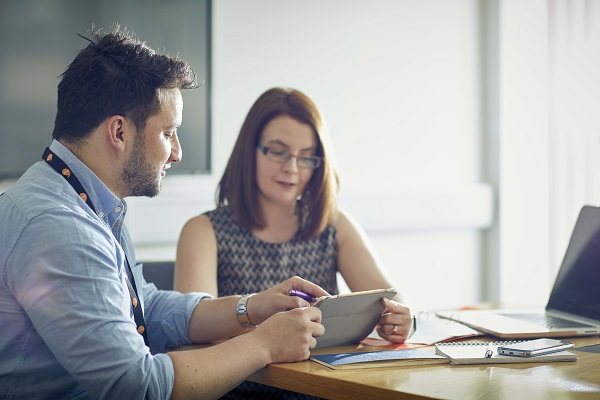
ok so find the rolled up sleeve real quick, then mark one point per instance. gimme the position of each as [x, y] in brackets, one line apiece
[70, 283]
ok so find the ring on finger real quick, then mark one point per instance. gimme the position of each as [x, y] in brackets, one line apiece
[394, 328]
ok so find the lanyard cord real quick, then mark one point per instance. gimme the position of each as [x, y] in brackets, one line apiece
[61, 167]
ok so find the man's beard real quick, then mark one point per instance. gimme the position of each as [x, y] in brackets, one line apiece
[138, 175]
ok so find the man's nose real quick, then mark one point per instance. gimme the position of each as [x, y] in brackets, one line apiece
[175, 149]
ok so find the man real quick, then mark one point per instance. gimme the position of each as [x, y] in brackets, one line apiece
[78, 320]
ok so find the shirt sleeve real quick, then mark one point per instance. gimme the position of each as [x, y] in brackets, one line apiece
[69, 279]
[167, 314]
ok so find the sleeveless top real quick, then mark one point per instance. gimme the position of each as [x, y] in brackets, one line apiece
[246, 264]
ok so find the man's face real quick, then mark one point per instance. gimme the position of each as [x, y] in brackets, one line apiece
[155, 147]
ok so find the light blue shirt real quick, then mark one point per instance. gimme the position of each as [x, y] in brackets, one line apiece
[66, 323]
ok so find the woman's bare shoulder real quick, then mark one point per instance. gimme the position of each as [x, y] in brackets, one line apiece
[198, 225]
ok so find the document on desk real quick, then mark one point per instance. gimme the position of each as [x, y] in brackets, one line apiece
[379, 359]
[430, 330]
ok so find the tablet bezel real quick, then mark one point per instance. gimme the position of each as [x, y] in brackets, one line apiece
[350, 317]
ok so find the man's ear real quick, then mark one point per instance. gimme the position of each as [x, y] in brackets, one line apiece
[118, 132]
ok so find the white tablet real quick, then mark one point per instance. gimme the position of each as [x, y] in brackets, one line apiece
[349, 318]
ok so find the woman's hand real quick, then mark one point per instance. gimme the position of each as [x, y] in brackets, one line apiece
[395, 323]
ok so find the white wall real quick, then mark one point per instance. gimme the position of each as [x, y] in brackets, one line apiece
[431, 104]
[548, 137]
[524, 152]
[398, 82]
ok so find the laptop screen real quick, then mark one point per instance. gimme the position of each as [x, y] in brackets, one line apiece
[576, 289]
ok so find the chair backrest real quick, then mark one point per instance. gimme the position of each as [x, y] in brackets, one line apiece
[160, 273]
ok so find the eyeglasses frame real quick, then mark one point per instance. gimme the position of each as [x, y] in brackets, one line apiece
[319, 160]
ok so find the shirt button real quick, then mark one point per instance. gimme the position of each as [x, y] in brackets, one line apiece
[134, 302]
[141, 329]
[101, 214]
[117, 209]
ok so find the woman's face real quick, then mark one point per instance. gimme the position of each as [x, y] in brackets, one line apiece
[281, 183]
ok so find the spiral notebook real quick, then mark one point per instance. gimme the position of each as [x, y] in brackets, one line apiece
[475, 353]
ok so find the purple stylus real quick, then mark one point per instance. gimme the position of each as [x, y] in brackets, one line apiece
[302, 295]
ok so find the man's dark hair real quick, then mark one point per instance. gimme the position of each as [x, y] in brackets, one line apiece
[116, 74]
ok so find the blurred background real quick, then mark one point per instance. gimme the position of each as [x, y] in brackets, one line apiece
[467, 132]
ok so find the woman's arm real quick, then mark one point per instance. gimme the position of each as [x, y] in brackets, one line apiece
[362, 270]
[196, 263]
[357, 260]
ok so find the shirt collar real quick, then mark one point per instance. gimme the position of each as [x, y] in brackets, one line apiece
[109, 207]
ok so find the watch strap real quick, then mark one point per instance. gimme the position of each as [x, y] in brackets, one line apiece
[241, 310]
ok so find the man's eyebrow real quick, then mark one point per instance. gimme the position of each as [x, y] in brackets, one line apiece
[171, 126]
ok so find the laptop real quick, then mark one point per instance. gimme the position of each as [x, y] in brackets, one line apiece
[573, 308]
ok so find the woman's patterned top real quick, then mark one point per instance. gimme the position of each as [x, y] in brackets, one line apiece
[246, 264]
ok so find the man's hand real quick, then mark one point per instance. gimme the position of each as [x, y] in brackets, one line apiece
[290, 335]
[286, 336]
[276, 299]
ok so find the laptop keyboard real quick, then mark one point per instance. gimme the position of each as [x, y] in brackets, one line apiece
[547, 321]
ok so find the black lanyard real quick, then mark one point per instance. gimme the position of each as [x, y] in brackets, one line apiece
[59, 166]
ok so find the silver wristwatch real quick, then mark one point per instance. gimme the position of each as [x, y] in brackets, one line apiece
[241, 310]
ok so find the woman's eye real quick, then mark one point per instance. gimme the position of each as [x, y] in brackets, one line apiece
[278, 153]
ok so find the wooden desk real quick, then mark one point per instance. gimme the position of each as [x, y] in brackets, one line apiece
[531, 381]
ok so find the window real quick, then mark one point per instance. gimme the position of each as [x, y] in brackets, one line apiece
[39, 40]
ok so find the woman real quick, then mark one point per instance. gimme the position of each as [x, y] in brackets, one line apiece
[277, 215]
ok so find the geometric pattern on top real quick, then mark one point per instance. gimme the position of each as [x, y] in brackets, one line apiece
[247, 264]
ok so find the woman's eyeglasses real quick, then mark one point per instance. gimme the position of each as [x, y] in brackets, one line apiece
[283, 156]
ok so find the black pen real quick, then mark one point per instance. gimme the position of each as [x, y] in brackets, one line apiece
[302, 295]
